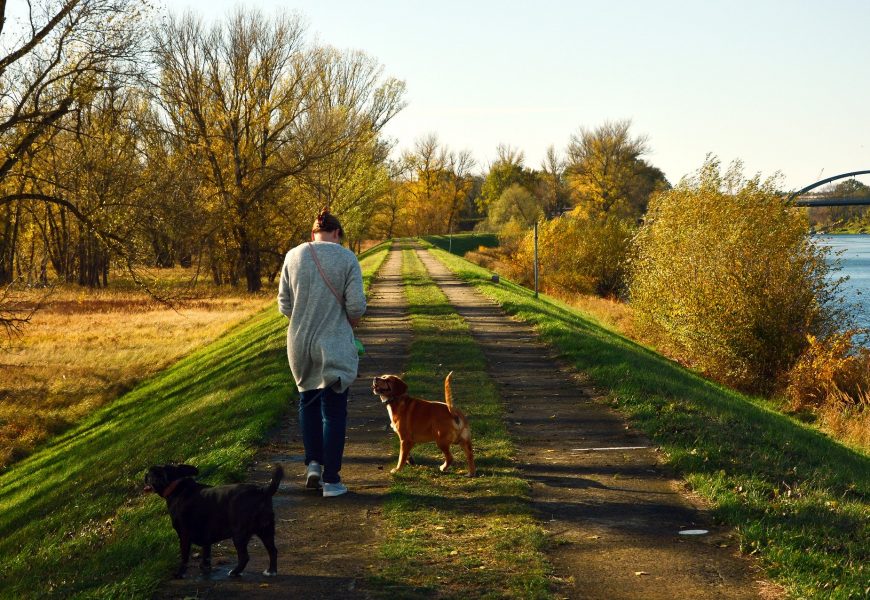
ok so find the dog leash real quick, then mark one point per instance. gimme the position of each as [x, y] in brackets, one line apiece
[319, 395]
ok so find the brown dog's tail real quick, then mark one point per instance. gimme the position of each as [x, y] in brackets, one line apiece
[277, 475]
[448, 394]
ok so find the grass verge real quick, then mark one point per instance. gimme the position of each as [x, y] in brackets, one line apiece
[460, 243]
[73, 519]
[446, 533]
[797, 499]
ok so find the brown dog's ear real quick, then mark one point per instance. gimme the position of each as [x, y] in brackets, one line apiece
[397, 386]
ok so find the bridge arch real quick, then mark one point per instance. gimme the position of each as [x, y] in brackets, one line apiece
[829, 201]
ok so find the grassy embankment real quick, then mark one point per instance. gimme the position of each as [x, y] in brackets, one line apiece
[855, 227]
[84, 348]
[73, 519]
[797, 499]
[448, 534]
[463, 242]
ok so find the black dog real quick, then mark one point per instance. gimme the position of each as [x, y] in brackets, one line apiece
[203, 515]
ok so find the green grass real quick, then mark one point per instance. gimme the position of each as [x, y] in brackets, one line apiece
[73, 519]
[797, 499]
[851, 228]
[446, 534]
[463, 242]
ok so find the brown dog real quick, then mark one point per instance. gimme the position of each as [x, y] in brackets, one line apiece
[416, 420]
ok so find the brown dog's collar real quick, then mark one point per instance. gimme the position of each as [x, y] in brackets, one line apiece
[392, 399]
[171, 488]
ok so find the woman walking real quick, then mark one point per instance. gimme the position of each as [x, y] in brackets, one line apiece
[321, 292]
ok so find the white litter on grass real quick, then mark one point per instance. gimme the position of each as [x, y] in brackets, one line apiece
[694, 532]
[615, 448]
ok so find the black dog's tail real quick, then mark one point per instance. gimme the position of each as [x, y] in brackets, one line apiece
[277, 475]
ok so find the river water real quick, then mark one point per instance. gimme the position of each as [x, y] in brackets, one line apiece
[854, 261]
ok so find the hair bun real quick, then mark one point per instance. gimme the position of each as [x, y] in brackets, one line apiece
[326, 221]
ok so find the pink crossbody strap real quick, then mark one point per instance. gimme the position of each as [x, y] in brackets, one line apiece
[322, 274]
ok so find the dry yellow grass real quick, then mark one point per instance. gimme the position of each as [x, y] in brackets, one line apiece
[85, 348]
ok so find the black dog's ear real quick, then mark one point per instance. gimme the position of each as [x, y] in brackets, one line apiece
[186, 471]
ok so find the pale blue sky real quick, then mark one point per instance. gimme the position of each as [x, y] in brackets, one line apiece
[783, 85]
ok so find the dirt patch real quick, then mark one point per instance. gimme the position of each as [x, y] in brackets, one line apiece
[598, 486]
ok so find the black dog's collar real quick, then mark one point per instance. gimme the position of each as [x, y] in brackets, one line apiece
[171, 488]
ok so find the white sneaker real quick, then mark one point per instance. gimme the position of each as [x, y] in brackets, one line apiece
[312, 475]
[334, 489]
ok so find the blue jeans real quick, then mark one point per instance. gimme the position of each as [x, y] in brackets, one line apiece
[323, 420]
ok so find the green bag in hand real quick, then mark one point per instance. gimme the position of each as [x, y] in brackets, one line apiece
[360, 349]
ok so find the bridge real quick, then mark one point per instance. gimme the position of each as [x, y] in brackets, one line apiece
[824, 200]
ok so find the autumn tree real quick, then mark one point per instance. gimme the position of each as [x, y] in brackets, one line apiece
[828, 216]
[516, 204]
[68, 53]
[257, 107]
[63, 54]
[551, 188]
[438, 182]
[507, 169]
[388, 208]
[606, 173]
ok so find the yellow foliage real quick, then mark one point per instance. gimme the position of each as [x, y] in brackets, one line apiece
[577, 254]
[726, 275]
[831, 379]
[830, 369]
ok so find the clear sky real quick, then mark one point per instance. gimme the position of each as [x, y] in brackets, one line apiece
[782, 85]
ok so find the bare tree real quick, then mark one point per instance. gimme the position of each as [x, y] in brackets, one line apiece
[553, 182]
[58, 64]
[460, 184]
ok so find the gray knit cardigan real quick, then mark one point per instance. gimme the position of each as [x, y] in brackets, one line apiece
[320, 344]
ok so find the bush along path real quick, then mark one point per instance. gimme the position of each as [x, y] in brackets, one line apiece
[614, 515]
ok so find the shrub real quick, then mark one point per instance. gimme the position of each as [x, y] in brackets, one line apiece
[728, 277]
[579, 254]
[831, 379]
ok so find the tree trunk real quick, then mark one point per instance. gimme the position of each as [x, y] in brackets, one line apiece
[93, 262]
[249, 260]
[8, 241]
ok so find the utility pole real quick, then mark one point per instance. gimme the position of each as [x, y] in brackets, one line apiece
[536, 259]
